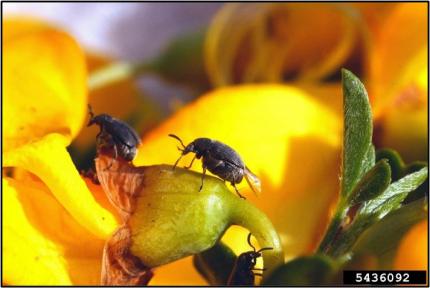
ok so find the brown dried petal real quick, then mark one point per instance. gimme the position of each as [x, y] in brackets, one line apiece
[119, 266]
[121, 182]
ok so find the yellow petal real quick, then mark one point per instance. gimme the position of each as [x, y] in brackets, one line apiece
[44, 84]
[285, 136]
[42, 243]
[413, 250]
[19, 27]
[406, 107]
[49, 160]
[398, 82]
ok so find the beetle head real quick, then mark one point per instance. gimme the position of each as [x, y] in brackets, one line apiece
[185, 149]
[252, 256]
[248, 260]
[99, 119]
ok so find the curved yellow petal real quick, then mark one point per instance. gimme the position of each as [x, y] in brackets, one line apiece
[42, 243]
[16, 27]
[413, 250]
[285, 136]
[44, 87]
[49, 160]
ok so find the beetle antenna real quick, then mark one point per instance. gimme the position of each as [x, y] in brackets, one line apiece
[249, 242]
[90, 111]
[177, 138]
[264, 249]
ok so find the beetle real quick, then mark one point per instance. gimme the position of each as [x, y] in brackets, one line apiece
[220, 160]
[115, 134]
[244, 267]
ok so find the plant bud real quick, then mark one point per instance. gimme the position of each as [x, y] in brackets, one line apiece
[168, 218]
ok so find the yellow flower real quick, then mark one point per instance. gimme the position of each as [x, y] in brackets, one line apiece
[54, 229]
[56, 222]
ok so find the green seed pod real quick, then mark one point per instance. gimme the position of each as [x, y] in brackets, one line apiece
[169, 218]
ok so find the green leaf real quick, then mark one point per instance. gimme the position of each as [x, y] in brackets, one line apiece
[394, 160]
[304, 271]
[399, 169]
[374, 182]
[366, 195]
[422, 191]
[215, 264]
[395, 194]
[369, 160]
[357, 131]
[382, 239]
[375, 209]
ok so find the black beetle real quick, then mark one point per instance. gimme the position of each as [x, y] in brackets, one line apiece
[221, 160]
[243, 269]
[115, 134]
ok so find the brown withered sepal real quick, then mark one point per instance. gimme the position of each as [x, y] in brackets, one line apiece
[121, 182]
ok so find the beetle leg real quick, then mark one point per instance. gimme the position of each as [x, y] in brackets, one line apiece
[191, 164]
[203, 177]
[237, 191]
[177, 161]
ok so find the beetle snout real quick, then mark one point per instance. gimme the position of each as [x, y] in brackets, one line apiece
[91, 122]
[188, 149]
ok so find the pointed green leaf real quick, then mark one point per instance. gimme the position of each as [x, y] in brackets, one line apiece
[215, 264]
[374, 182]
[357, 131]
[303, 271]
